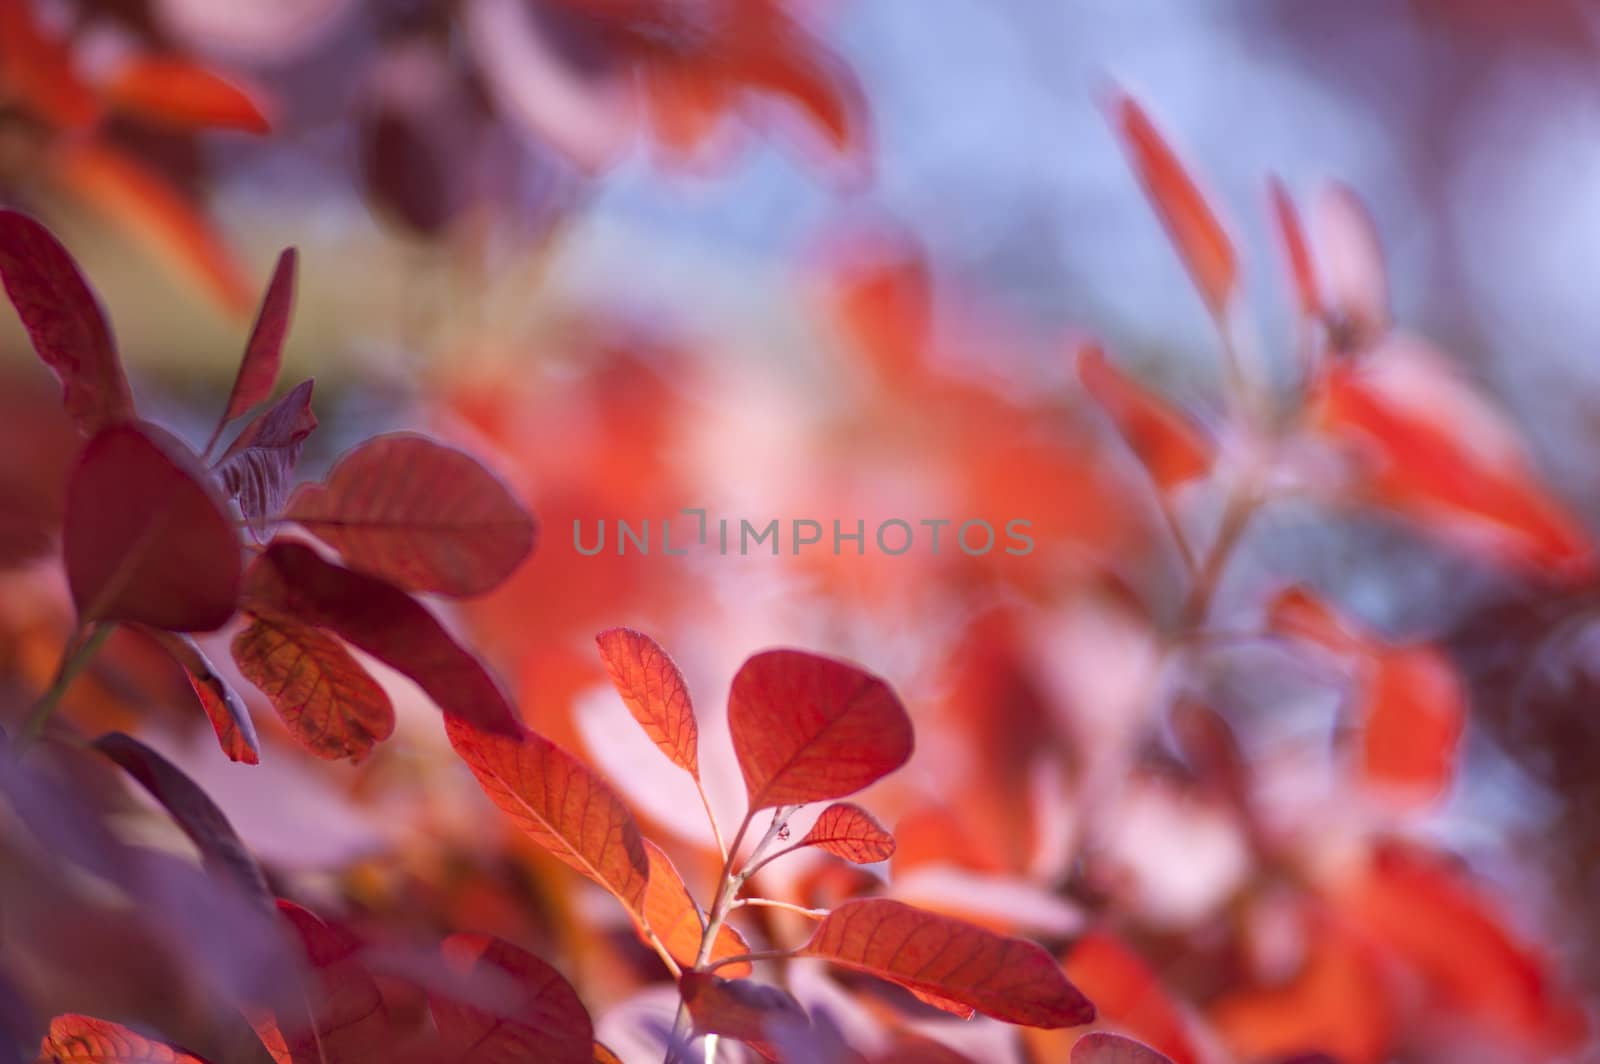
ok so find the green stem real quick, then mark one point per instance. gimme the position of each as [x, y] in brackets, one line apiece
[81, 651]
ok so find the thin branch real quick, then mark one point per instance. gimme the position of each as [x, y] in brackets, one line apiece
[716, 832]
[80, 651]
[749, 958]
[773, 903]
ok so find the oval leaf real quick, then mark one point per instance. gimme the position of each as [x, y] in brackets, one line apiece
[1165, 442]
[256, 467]
[950, 963]
[1199, 237]
[653, 690]
[222, 851]
[808, 728]
[738, 1008]
[543, 1019]
[343, 1020]
[562, 804]
[327, 700]
[846, 830]
[75, 1039]
[1102, 1048]
[263, 353]
[65, 322]
[421, 515]
[174, 92]
[146, 537]
[670, 911]
[291, 581]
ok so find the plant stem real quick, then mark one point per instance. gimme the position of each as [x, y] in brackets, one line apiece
[773, 903]
[80, 651]
[716, 832]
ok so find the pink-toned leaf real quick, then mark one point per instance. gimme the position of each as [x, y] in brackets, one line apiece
[544, 1020]
[669, 910]
[263, 352]
[846, 830]
[561, 803]
[172, 91]
[1302, 271]
[950, 963]
[292, 580]
[328, 701]
[65, 322]
[221, 850]
[808, 728]
[653, 690]
[77, 1039]
[230, 719]
[257, 466]
[1200, 239]
[1166, 443]
[419, 514]
[1350, 255]
[147, 539]
[344, 1021]
[1100, 1047]
[739, 1008]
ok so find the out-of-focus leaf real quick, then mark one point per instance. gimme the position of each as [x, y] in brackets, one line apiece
[147, 539]
[64, 320]
[230, 719]
[37, 68]
[76, 1039]
[221, 849]
[910, 1048]
[326, 699]
[1297, 612]
[290, 579]
[38, 444]
[669, 910]
[1200, 239]
[1128, 995]
[1350, 258]
[846, 830]
[603, 1055]
[808, 728]
[951, 964]
[1302, 271]
[257, 466]
[344, 1020]
[263, 352]
[653, 690]
[419, 514]
[883, 300]
[1165, 442]
[170, 90]
[1100, 1047]
[152, 211]
[562, 805]
[545, 1021]
[739, 1008]
[1414, 710]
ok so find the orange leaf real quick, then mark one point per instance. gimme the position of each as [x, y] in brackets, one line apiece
[561, 804]
[1415, 709]
[38, 69]
[75, 1039]
[147, 538]
[1194, 229]
[328, 701]
[1302, 272]
[671, 913]
[603, 1055]
[230, 719]
[653, 690]
[419, 514]
[263, 352]
[846, 830]
[173, 91]
[884, 304]
[1165, 442]
[545, 1020]
[1297, 612]
[65, 322]
[151, 210]
[1128, 994]
[344, 1021]
[1099, 1047]
[950, 963]
[808, 728]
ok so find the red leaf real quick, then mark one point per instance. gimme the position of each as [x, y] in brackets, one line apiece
[344, 1021]
[603, 1055]
[545, 1021]
[221, 850]
[950, 963]
[1099, 1047]
[236, 732]
[173, 91]
[150, 209]
[1302, 272]
[846, 830]
[882, 297]
[808, 728]
[419, 514]
[1194, 229]
[257, 466]
[671, 913]
[738, 1008]
[38, 69]
[146, 537]
[1165, 442]
[561, 804]
[290, 579]
[1128, 994]
[65, 322]
[1351, 257]
[653, 690]
[1414, 711]
[326, 699]
[75, 1039]
[263, 352]
[1296, 612]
